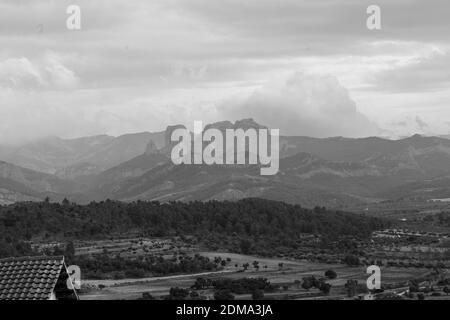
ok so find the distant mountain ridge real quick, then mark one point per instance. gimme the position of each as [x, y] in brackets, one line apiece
[334, 172]
[21, 184]
[69, 158]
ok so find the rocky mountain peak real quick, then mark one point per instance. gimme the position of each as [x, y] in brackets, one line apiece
[151, 148]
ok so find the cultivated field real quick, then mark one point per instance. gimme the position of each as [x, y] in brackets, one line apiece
[284, 277]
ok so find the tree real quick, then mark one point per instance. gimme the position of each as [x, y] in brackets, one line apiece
[414, 286]
[147, 296]
[351, 260]
[223, 294]
[257, 295]
[246, 246]
[446, 290]
[201, 283]
[178, 293]
[69, 252]
[331, 274]
[307, 284]
[325, 287]
[351, 286]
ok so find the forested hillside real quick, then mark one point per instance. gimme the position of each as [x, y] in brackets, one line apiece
[263, 222]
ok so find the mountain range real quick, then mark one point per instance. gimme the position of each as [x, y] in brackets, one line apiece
[333, 172]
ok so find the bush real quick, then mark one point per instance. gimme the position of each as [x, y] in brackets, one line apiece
[436, 294]
[325, 287]
[178, 293]
[246, 246]
[257, 295]
[135, 273]
[307, 284]
[118, 275]
[223, 295]
[331, 274]
[147, 296]
[351, 260]
[243, 286]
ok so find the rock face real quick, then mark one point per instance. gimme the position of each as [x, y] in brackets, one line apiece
[168, 135]
[248, 123]
[151, 148]
[244, 124]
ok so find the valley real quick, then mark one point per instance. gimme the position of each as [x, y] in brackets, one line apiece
[141, 227]
[251, 248]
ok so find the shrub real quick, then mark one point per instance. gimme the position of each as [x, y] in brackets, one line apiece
[331, 274]
[223, 295]
[257, 295]
[351, 260]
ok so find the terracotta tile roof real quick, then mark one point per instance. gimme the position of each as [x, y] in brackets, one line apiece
[29, 278]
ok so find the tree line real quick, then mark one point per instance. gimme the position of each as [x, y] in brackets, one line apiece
[249, 224]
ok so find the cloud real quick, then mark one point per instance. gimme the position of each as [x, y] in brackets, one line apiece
[24, 17]
[304, 104]
[430, 72]
[48, 73]
[422, 124]
[19, 73]
[324, 27]
[141, 65]
[415, 123]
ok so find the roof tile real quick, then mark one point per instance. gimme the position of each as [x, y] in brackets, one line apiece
[29, 277]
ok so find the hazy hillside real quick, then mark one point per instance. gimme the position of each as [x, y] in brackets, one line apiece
[69, 158]
[303, 177]
[334, 171]
[21, 184]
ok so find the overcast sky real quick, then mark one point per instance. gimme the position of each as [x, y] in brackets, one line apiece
[305, 67]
